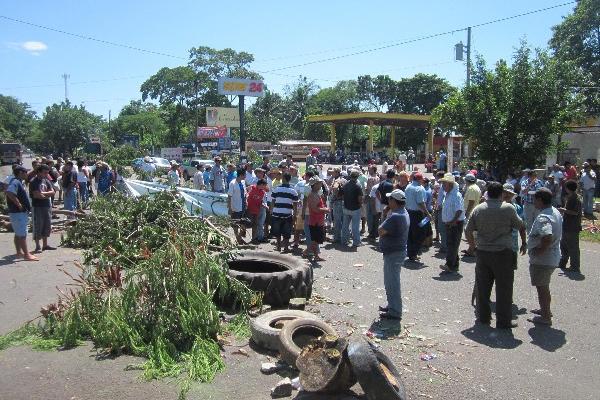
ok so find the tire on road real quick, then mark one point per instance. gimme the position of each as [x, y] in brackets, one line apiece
[297, 334]
[266, 327]
[377, 375]
[279, 277]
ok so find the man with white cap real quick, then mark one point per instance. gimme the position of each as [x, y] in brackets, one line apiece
[472, 194]
[148, 166]
[393, 235]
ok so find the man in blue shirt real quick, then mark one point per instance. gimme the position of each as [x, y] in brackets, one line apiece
[417, 210]
[18, 212]
[393, 234]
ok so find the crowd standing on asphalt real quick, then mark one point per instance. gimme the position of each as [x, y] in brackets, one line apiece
[37, 193]
[395, 205]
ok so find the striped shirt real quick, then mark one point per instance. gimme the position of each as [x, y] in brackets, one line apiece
[284, 198]
[453, 202]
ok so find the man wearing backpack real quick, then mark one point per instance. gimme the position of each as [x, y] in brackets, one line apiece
[18, 211]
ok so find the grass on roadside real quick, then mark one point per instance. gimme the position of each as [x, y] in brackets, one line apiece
[589, 236]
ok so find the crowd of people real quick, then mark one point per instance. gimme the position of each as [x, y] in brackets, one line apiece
[395, 206]
[39, 191]
[406, 212]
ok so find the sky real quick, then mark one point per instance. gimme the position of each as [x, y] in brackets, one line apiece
[280, 34]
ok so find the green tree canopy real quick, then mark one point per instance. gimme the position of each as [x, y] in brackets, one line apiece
[65, 127]
[512, 112]
[142, 119]
[577, 39]
[17, 120]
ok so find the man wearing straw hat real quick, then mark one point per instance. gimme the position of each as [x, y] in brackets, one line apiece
[453, 216]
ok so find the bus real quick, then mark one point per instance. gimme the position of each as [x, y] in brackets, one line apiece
[11, 153]
[299, 149]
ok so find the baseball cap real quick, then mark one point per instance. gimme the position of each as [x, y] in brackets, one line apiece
[418, 176]
[470, 178]
[314, 150]
[397, 194]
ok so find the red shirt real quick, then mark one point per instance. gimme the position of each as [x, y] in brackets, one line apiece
[316, 217]
[571, 172]
[255, 199]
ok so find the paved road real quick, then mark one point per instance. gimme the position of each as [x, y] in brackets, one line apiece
[558, 362]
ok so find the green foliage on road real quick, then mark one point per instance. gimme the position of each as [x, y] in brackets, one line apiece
[149, 286]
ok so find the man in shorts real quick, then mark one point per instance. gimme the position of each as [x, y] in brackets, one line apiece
[18, 212]
[544, 252]
[41, 193]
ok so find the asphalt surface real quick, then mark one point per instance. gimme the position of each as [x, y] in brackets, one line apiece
[471, 361]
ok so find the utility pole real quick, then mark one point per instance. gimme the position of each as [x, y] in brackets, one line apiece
[460, 51]
[468, 56]
[109, 122]
[65, 77]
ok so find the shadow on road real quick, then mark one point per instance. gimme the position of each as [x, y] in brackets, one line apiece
[414, 265]
[574, 276]
[446, 277]
[547, 338]
[349, 395]
[8, 260]
[490, 337]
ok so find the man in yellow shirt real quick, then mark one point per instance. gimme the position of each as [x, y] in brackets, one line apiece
[471, 200]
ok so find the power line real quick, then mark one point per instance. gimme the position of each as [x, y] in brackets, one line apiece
[74, 83]
[125, 46]
[418, 39]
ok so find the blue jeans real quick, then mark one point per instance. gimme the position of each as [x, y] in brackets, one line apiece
[354, 216]
[338, 218]
[442, 228]
[588, 201]
[260, 230]
[70, 199]
[306, 231]
[392, 263]
[83, 191]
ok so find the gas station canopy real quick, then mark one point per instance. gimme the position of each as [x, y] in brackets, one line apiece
[375, 119]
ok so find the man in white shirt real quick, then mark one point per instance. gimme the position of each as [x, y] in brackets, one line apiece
[453, 216]
[199, 177]
[588, 186]
[544, 252]
[148, 166]
[236, 203]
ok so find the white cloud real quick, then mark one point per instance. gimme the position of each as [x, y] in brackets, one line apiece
[33, 47]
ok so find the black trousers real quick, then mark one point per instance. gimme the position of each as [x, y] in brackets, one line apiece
[453, 236]
[416, 234]
[569, 248]
[490, 267]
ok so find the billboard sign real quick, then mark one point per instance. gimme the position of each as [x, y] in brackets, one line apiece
[171, 153]
[241, 87]
[223, 116]
[211, 132]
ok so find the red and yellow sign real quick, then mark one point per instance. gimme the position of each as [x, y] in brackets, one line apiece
[241, 87]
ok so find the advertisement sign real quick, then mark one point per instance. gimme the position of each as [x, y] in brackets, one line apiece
[131, 140]
[211, 132]
[223, 116]
[241, 87]
[171, 153]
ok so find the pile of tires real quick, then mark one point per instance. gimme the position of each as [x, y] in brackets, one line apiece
[279, 277]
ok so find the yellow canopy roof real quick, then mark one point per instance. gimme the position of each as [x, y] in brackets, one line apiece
[375, 118]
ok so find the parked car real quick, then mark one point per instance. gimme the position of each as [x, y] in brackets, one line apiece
[162, 164]
[272, 154]
[189, 168]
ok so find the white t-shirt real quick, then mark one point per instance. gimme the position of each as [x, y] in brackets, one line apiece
[373, 195]
[548, 222]
[235, 192]
[148, 167]
[199, 180]
[588, 180]
[173, 177]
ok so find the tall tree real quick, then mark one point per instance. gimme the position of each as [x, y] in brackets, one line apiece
[142, 119]
[297, 102]
[17, 120]
[65, 127]
[577, 39]
[513, 112]
[265, 119]
[375, 93]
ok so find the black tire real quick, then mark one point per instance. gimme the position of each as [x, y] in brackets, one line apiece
[265, 333]
[297, 334]
[366, 362]
[279, 277]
